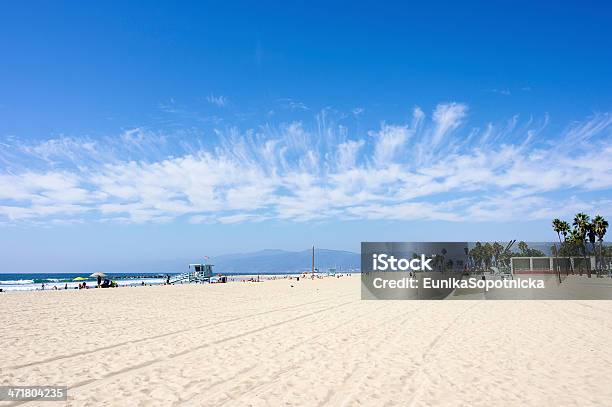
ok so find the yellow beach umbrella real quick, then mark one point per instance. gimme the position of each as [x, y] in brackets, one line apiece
[79, 279]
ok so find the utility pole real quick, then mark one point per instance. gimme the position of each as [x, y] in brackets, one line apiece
[312, 259]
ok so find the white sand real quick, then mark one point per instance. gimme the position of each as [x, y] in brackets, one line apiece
[312, 344]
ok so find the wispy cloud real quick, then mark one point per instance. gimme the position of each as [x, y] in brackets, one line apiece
[504, 91]
[169, 106]
[219, 101]
[508, 92]
[293, 105]
[358, 111]
[428, 168]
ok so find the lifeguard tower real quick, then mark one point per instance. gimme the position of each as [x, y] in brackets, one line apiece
[198, 273]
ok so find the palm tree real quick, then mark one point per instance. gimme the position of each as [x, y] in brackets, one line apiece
[556, 224]
[561, 227]
[488, 255]
[497, 251]
[565, 230]
[582, 225]
[557, 227]
[592, 239]
[599, 227]
[572, 243]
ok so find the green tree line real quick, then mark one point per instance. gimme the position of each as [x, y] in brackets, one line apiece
[584, 238]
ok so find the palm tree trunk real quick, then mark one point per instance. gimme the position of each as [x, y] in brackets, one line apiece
[597, 255]
[569, 260]
[601, 257]
[585, 259]
[557, 266]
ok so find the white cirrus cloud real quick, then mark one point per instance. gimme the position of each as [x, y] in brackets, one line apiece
[219, 101]
[425, 169]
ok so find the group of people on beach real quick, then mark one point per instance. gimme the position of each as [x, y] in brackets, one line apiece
[80, 287]
[104, 283]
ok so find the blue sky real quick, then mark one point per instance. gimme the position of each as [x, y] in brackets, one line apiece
[138, 132]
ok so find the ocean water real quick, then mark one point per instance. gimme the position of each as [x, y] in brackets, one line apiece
[35, 281]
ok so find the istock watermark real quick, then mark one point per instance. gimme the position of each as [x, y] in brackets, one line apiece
[473, 271]
[384, 262]
[456, 283]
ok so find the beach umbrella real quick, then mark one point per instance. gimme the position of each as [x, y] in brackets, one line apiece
[79, 279]
[98, 274]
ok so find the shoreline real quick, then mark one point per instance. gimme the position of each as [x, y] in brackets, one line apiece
[137, 282]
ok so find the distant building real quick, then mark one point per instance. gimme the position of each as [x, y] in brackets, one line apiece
[550, 265]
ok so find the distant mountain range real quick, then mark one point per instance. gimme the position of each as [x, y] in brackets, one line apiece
[266, 261]
[282, 261]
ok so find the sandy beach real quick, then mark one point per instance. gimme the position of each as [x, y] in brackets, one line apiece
[311, 343]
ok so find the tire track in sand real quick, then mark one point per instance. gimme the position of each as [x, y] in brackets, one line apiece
[127, 371]
[164, 335]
